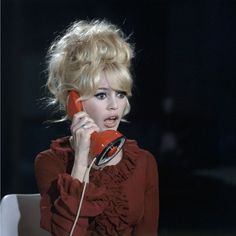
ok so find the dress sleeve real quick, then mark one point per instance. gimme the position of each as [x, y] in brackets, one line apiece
[148, 225]
[60, 197]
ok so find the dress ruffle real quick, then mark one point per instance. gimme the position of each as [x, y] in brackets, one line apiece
[70, 189]
[113, 219]
[63, 148]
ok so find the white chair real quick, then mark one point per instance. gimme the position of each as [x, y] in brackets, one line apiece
[20, 215]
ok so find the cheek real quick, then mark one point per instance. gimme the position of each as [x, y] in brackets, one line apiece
[123, 104]
[93, 110]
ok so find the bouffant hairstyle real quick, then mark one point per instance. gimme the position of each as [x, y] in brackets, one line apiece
[77, 59]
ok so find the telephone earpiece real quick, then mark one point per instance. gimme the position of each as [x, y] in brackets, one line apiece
[104, 145]
[73, 104]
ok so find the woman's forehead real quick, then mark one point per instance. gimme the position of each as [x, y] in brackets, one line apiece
[107, 81]
[103, 82]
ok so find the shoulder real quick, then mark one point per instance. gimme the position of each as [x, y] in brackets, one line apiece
[146, 167]
[142, 155]
[58, 150]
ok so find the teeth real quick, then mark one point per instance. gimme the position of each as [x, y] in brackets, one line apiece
[112, 118]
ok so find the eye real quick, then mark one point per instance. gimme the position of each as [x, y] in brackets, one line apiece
[100, 95]
[121, 94]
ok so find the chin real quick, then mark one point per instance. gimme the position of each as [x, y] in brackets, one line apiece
[109, 128]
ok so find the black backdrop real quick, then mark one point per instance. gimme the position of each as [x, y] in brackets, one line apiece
[183, 106]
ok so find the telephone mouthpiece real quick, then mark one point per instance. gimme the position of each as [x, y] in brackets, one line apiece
[105, 145]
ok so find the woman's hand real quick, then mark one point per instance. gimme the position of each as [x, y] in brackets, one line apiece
[81, 129]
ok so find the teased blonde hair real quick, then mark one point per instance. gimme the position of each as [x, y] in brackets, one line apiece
[77, 59]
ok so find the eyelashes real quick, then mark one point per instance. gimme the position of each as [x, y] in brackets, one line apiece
[100, 95]
[121, 94]
[103, 95]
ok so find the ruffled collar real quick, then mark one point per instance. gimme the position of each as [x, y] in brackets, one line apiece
[130, 154]
[62, 146]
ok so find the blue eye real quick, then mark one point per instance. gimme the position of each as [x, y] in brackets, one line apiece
[100, 96]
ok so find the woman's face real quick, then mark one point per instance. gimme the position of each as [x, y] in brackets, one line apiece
[107, 106]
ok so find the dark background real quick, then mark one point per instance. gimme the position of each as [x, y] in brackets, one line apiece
[183, 106]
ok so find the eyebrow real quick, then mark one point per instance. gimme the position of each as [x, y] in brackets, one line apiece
[106, 89]
[103, 88]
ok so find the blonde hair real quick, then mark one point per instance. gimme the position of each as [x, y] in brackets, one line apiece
[77, 59]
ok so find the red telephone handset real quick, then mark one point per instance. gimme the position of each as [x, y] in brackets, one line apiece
[104, 145]
[73, 104]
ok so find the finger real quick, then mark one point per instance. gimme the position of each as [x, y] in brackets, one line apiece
[78, 122]
[79, 128]
[78, 116]
[90, 125]
[83, 123]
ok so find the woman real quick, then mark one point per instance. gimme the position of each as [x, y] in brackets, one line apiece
[93, 58]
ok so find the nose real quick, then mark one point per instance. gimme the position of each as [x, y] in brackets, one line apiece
[112, 103]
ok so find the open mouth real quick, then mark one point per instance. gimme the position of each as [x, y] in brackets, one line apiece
[111, 121]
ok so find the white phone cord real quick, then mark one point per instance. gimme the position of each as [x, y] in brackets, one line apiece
[86, 181]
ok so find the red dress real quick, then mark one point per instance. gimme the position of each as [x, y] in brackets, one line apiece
[121, 199]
